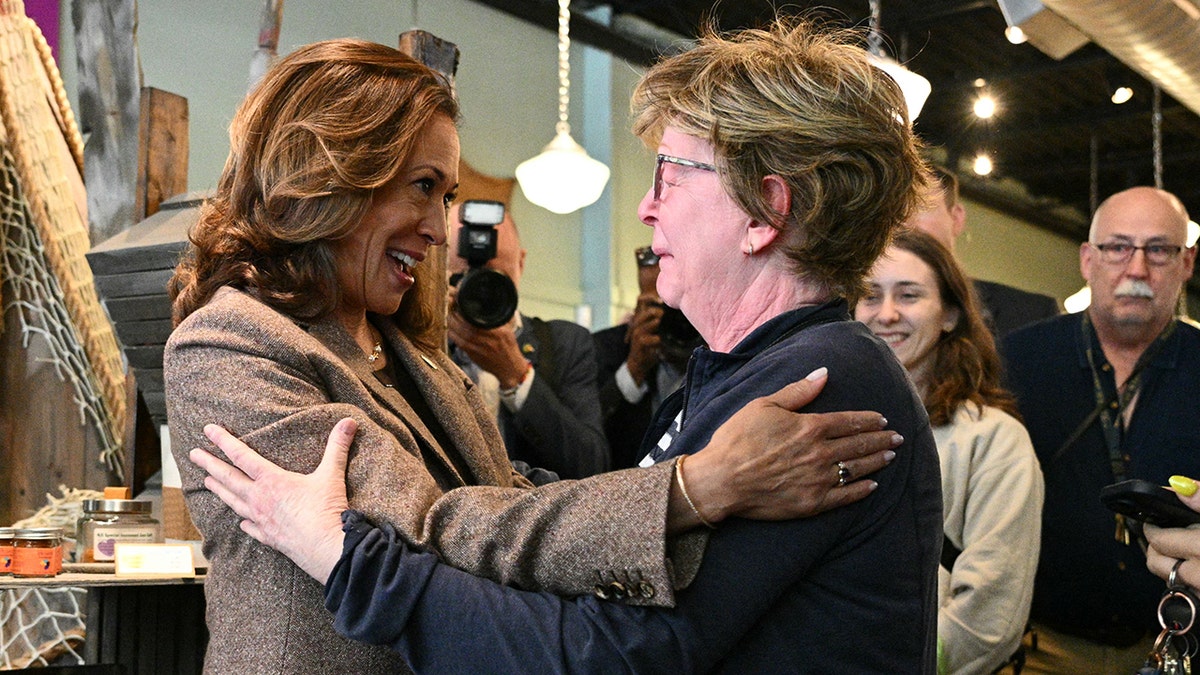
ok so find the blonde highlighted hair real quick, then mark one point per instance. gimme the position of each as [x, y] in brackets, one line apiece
[801, 102]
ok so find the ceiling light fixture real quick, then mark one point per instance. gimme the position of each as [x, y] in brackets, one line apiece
[1015, 35]
[1122, 95]
[985, 106]
[563, 178]
[983, 164]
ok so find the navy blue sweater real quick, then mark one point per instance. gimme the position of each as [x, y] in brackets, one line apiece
[851, 590]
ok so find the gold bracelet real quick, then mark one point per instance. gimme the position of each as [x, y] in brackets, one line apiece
[686, 496]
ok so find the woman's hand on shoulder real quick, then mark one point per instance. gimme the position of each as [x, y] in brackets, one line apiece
[299, 515]
[768, 462]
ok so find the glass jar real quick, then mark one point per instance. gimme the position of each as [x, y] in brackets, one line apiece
[108, 522]
[37, 552]
[6, 550]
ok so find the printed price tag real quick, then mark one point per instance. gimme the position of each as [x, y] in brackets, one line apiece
[168, 560]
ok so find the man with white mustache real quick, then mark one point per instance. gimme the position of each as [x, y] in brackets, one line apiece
[1109, 394]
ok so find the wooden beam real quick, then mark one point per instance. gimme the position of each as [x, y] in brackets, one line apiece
[162, 150]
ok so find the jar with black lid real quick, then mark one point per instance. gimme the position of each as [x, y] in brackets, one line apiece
[107, 522]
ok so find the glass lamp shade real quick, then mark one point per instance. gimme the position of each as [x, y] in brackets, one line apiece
[915, 87]
[563, 178]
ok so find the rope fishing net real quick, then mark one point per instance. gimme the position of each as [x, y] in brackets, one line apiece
[60, 300]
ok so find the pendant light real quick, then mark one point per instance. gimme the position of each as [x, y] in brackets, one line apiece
[563, 178]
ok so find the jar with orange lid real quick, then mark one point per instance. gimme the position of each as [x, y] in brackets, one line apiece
[37, 552]
[6, 550]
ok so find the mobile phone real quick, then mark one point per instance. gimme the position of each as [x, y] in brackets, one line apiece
[1147, 502]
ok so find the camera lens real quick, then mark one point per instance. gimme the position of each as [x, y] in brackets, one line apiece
[486, 298]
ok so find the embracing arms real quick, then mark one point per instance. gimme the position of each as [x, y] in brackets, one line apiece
[766, 462]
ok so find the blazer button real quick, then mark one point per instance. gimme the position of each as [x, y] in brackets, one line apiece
[617, 590]
[601, 591]
[645, 589]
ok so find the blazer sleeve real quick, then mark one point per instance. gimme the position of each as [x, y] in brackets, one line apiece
[274, 386]
[561, 420]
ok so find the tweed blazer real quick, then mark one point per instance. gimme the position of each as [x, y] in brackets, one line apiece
[280, 386]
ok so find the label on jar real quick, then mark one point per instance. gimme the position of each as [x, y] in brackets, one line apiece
[37, 562]
[105, 539]
[6, 554]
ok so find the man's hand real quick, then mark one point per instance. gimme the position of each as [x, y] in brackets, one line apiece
[643, 337]
[492, 349]
[296, 514]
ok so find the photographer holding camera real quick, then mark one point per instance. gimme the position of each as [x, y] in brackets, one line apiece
[641, 362]
[539, 377]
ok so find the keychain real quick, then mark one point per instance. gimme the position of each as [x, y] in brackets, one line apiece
[1174, 647]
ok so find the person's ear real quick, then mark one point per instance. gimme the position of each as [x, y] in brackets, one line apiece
[950, 320]
[779, 199]
[1086, 253]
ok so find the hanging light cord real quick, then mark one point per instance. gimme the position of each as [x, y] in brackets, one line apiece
[1156, 126]
[564, 66]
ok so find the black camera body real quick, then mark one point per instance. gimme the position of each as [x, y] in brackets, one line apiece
[486, 298]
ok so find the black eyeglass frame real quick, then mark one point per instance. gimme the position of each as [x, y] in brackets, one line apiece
[661, 159]
[1121, 252]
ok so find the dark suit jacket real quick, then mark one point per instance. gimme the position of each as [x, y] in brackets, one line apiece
[558, 427]
[281, 386]
[1006, 308]
[625, 423]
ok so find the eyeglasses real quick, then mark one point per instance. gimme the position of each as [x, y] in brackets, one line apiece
[1119, 252]
[646, 257]
[667, 159]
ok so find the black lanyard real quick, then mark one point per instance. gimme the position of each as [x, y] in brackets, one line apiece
[1111, 416]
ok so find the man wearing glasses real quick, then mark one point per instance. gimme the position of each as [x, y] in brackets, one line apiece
[1109, 394]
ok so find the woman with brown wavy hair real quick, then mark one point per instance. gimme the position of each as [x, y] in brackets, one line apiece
[921, 304]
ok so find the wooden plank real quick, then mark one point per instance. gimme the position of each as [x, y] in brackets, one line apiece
[43, 441]
[133, 283]
[162, 150]
[150, 356]
[149, 332]
[439, 54]
[139, 307]
[442, 56]
[155, 243]
[109, 90]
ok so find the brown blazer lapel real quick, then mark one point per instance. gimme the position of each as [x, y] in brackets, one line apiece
[338, 340]
[467, 425]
